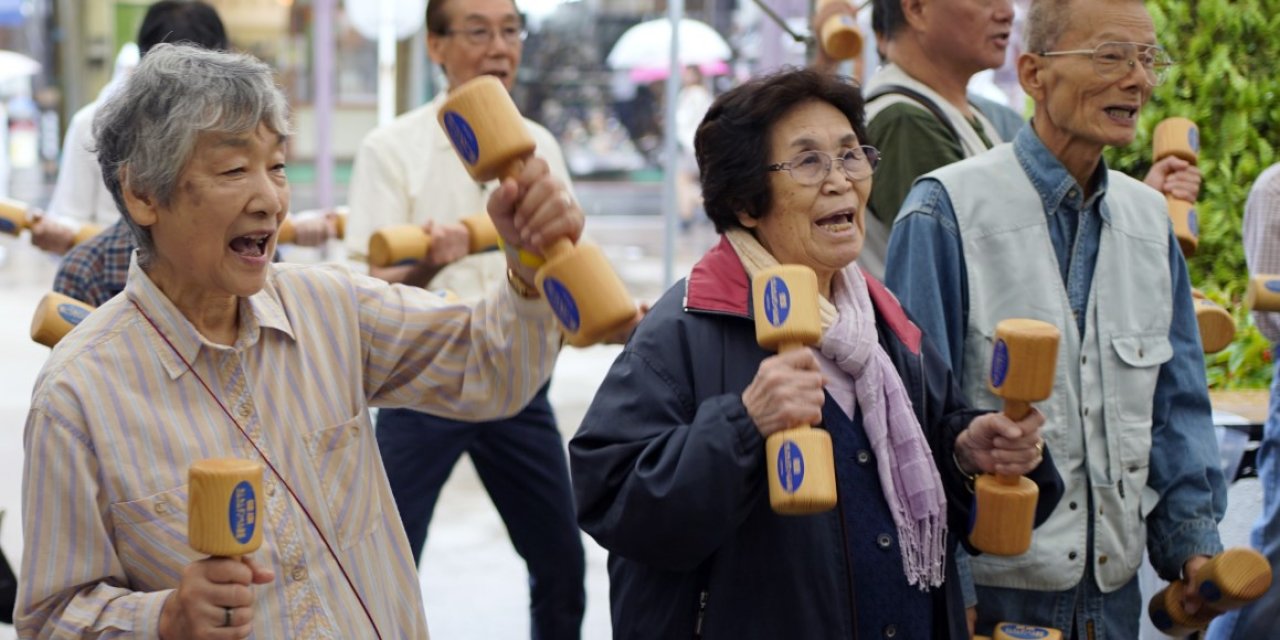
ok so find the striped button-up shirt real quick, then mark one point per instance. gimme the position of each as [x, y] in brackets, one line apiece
[117, 418]
[1262, 240]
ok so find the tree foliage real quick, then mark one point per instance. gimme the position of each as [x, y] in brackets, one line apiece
[1228, 81]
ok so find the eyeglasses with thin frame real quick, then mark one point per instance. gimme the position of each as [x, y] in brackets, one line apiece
[809, 168]
[482, 36]
[1112, 60]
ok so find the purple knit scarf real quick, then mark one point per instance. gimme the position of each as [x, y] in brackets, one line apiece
[911, 483]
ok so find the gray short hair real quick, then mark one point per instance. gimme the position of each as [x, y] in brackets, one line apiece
[148, 128]
[1046, 22]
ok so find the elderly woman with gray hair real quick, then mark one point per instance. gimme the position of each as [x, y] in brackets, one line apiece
[213, 351]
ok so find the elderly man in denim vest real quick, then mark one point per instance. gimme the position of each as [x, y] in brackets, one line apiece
[1042, 229]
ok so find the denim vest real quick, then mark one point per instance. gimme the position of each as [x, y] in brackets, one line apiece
[1098, 419]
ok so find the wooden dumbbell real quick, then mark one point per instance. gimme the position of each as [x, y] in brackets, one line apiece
[800, 461]
[1168, 617]
[407, 243]
[1022, 370]
[1227, 581]
[839, 35]
[1217, 327]
[223, 516]
[1181, 138]
[1263, 293]
[56, 314]
[289, 231]
[1233, 578]
[1015, 631]
[490, 137]
[14, 219]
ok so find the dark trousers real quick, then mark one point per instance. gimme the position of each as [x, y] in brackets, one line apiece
[521, 461]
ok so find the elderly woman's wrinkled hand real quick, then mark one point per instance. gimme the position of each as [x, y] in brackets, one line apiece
[535, 208]
[214, 599]
[786, 392]
[994, 443]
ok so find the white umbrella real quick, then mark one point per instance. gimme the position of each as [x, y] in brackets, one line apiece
[16, 65]
[648, 44]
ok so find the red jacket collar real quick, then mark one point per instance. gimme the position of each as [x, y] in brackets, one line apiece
[718, 283]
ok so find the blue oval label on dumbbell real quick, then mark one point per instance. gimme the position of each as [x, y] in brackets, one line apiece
[1272, 285]
[462, 136]
[777, 301]
[1023, 631]
[242, 512]
[7, 226]
[1193, 138]
[1161, 620]
[1210, 591]
[71, 313]
[999, 363]
[790, 467]
[1193, 222]
[562, 304]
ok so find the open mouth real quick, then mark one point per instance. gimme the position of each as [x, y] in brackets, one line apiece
[837, 222]
[253, 245]
[1124, 114]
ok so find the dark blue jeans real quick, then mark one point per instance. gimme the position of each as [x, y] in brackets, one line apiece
[521, 461]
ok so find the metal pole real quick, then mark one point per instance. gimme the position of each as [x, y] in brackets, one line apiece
[675, 11]
[322, 52]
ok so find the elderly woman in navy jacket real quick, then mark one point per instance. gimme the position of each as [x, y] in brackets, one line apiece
[668, 465]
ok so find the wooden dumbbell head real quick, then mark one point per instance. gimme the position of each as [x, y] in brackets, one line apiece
[585, 293]
[785, 301]
[1004, 513]
[288, 231]
[485, 128]
[1167, 615]
[398, 245]
[13, 216]
[1176, 137]
[1217, 327]
[224, 514]
[801, 471]
[340, 226]
[1023, 360]
[1233, 578]
[1186, 224]
[1015, 631]
[55, 316]
[1263, 293]
[483, 234]
[85, 233]
[839, 35]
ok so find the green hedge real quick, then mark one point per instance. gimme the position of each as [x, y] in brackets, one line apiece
[1228, 81]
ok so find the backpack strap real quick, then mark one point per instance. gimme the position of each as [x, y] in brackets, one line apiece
[916, 96]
